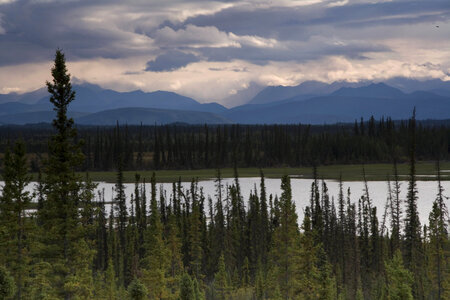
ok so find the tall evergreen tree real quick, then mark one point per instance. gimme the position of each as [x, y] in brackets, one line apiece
[399, 279]
[221, 281]
[7, 285]
[187, 291]
[137, 290]
[439, 248]
[16, 228]
[396, 212]
[412, 235]
[286, 243]
[156, 259]
[122, 216]
[62, 232]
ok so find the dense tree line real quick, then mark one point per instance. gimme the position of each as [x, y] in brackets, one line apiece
[183, 244]
[217, 146]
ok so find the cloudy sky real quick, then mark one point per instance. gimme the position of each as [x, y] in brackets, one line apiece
[211, 50]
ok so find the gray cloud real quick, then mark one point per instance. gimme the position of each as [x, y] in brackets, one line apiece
[89, 29]
[293, 51]
[288, 22]
[83, 28]
[34, 30]
[170, 61]
[163, 36]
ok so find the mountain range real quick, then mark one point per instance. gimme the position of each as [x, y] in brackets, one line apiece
[310, 102]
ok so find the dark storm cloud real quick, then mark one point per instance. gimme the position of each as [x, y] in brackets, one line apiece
[297, 23]
[300, 24]
[30, 30]
[171, 61]
[34, 30]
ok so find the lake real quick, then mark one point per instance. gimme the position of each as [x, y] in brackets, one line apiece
[378, 190]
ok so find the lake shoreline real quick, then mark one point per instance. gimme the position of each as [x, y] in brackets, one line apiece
[373, 172]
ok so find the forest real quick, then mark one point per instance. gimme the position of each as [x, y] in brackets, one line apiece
[181, 146]
[183, 244]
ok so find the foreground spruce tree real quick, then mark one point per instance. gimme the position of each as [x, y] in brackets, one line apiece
[286, 242]
[62, 233]
[7, 286]
[399, 279]
[16, 229]
[187, 291]
[412, 236]
[438, 254]
[137, 291]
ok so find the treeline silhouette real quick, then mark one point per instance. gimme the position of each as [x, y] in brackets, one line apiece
[179, 146]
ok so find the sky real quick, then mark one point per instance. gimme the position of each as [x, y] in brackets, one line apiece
[212, 50]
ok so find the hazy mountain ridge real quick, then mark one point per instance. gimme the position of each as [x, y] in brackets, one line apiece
[35, 117]
[130, 116]
[150, 116]
[311, 89]
[305, 90]
[346, 105]
[312, 102]
[92, 98]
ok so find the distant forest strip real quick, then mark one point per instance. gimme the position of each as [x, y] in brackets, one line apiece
[180, 146]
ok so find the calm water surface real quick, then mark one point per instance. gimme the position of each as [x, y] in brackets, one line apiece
[378, 191]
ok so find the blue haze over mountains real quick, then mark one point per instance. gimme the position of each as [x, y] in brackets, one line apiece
[310, 102]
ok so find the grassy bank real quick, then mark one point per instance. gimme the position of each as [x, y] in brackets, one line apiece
[425, 171]
[374, 172]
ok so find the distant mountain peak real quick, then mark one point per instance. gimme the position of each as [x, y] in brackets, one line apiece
[373, 90]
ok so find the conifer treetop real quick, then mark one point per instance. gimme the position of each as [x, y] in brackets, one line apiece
[61, 91]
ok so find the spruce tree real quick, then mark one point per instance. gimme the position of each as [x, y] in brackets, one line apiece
[187, 291]
[7, 285]
[399, 279]
[439, 246]
[412, 239]
[16, 228]
[110, 290]
[137, 291]
[122, 216]
[173, 242]
[396, 212]
[286, 244]
[61, 228]
[221, 281]
[195, 237]
[155, 262]
[265, 226]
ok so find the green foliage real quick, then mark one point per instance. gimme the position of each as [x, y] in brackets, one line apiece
[198, 293]
[110, 282]
[399, 279]
[80, 282]
[245, 274]
[7, 285]
[40, 284]
[62, 237]
[187, 291]
[155, 263]
[15, 228]
[221, 280]
[137, 291]
[286, 242]
[438, 248]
